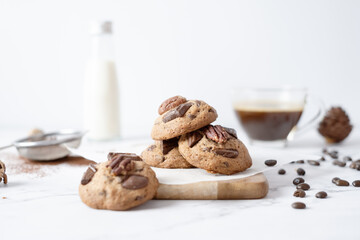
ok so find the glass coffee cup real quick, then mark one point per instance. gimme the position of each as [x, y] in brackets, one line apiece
[270, 116]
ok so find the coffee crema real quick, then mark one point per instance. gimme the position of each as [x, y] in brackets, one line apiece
[268, 121]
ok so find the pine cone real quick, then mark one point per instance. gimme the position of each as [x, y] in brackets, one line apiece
[335, 126]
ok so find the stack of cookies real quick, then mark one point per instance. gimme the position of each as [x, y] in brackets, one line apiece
[184, 138]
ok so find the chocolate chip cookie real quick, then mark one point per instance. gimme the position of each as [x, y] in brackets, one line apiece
[121, 183]
[215, 149]
[179, 116]
[165, 154]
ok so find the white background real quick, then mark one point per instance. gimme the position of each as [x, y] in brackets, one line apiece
[199, 49]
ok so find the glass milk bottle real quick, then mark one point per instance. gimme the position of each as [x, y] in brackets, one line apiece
[101, 100]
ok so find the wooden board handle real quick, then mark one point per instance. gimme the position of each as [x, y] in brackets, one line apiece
[246, 188]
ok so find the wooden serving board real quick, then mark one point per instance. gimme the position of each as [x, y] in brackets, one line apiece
[245, 188]
[252, 187]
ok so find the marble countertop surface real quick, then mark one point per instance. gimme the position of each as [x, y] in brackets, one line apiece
[43, 203]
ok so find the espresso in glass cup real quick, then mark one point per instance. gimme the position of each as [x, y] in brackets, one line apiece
[270, 115]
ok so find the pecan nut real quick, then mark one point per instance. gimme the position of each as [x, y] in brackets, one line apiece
[171, 103]
[216, 133]
[122, 163]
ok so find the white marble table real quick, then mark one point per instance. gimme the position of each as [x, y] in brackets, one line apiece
[48, 207]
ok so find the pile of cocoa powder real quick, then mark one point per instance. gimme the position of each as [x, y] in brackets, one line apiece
[19, 165]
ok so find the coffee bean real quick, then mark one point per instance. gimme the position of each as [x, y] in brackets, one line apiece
[300, 161]
[299, 193]
[347, 158]
[334, 154]
[342, 183]
[322, 159]
[300, 171]
[270, 162]
[313, 162]
[335, 179]
[281, 171]
[303, 186]
[355, 165]
[339, 163]
[298, 205]
[356, 183]
[298, 180]
[321, 194]
[292, 162]
[324, 150]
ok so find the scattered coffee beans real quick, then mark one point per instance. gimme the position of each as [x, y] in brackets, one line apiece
[298, 180]
[339, 163]
[303, 186]
[321, 194]
[356, 183]
[300, 171]
[298, 205]
[281, 171]
[313, 162]
[299, 193]
[270, 162]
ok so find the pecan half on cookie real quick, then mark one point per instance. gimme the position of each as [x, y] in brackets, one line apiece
[3, 176]
[171, 103]
[217, 133]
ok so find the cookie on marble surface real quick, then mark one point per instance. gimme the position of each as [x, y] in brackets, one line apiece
[121, 183]
[215, 149]
[179, 116]
[165, 154]
[3, 176]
